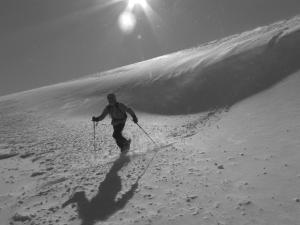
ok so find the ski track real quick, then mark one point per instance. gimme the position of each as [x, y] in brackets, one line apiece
[185, 183]
[63, 162]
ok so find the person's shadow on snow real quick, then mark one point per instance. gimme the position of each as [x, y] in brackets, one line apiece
[104, 204]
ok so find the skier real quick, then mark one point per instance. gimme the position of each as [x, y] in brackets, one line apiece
[117, 112]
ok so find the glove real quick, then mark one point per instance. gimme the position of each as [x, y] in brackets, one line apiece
[135, 119]
[94, 119]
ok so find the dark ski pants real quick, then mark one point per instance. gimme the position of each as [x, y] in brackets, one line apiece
[117, 135]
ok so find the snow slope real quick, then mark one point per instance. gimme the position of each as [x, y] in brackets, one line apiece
[230, 108]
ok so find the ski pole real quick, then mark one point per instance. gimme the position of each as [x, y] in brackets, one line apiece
[146, 134]
[94, 126]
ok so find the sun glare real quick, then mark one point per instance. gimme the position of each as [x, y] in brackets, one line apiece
[127, 21]
[134, 3]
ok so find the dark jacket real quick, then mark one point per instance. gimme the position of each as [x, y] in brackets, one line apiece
[118, 113]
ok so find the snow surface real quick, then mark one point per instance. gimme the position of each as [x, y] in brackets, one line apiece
[226, 114]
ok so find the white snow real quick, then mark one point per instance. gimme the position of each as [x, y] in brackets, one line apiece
[230, 108]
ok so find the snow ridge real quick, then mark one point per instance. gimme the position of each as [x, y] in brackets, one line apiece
[211, 76]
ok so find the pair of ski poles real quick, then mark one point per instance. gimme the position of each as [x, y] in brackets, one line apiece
[96, 123]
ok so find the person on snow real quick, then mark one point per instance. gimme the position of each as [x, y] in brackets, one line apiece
[118, 113]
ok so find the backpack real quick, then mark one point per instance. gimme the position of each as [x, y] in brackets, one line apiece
[116, 112]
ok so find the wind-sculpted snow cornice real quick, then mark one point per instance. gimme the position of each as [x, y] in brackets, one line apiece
[212, 76]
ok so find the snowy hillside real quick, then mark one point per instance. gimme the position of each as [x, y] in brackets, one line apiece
[226, 112]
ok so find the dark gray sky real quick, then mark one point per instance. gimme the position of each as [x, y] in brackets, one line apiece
[49, 41]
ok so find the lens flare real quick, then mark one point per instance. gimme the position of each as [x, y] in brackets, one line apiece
[134, 3]
[128, 18]
[127, 21]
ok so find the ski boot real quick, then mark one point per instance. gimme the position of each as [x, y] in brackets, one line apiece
[126, 147]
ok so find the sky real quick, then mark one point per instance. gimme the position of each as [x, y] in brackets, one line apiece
[45, 42]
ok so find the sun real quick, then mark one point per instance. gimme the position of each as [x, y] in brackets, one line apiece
[134, 3]
[127, 21]
[128, 18]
